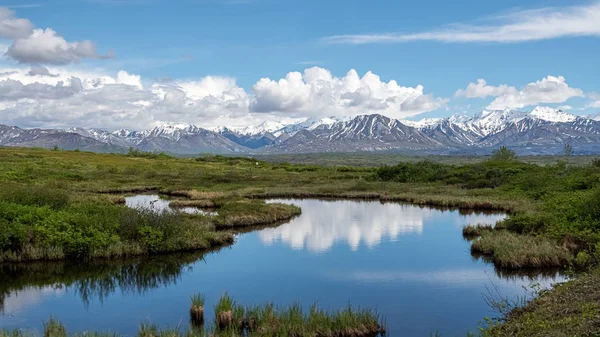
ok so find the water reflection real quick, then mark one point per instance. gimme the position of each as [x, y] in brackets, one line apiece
[359, 222]
[410, 263]
[26, 282]
[154, 202]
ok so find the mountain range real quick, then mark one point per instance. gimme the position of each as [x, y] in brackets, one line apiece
[541, 131]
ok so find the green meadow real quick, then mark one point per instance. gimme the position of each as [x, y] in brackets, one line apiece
[68, 205]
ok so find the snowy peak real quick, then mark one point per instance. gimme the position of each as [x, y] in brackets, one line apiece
[423, 123]
[261, 128]
[552, 115]
[173, 131]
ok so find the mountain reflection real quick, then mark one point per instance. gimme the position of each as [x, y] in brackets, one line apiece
[323, 223]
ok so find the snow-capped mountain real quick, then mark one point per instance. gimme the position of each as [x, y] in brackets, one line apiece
[543, 130]
[489, 122]
[362, 133]
[423, 123]
[552, 115]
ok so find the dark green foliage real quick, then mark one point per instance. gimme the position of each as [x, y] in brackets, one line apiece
[32, 230]
[504, 154]
[137, 153]
[33, 195]
[568, 149]
[484, 175]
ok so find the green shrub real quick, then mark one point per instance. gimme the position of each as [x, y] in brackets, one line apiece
[34, 195]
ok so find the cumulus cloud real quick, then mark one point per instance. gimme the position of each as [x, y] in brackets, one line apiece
[12, 27]
[45, 46]
[63, 97]
[42, 46]
[12, 90]
[90, 99]
[482, 90]
[551, 89]
[317, 92]
[519, 26]
[40, 71]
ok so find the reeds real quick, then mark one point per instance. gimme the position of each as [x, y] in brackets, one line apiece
[197, 309]
[53, 328]
[268, 320]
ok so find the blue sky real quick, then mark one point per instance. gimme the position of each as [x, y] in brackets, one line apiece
[174, 45]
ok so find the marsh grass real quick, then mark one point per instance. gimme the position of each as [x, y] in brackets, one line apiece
[268, 320]
[474, 231]
[260, 321]
[514, 251]
[192, 203]
[53, 328]
[253, 212]
[197, 308]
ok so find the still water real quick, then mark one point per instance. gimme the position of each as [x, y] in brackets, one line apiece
[409, 263]
[155, 203]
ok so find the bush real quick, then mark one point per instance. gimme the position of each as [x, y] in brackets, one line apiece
[503, 154]
[34, 195]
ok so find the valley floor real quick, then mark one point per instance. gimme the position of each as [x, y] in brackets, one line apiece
[65, 204]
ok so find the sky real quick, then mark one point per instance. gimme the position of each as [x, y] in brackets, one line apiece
[140, 63]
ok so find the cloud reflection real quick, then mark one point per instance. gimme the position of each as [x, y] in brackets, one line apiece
[323, 223]
[21, 300]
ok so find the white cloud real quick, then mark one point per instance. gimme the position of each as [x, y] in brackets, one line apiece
[518, 26]
[124, 77]
[316, 92]
[40, 71]
[596, 101]
[565, 107]
[12, 27]
[64, 97]
[551, 89]
[97, 99]
[482, 90]
[42, 46]
[47, 47]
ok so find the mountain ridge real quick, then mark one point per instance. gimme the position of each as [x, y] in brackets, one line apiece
[541, 130]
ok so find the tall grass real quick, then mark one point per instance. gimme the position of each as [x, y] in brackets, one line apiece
[197, 309]
[514, 251]
[53, 328]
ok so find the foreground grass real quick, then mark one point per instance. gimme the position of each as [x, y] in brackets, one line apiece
[261, 321]
[570, 309]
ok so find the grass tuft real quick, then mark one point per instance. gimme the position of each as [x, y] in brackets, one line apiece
[515, 251]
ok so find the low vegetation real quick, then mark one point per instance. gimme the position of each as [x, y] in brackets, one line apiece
[515, 251]
[61, 204]
[259, 321]
[570, 309]
[474, 231]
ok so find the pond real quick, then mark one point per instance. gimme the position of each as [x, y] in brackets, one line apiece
[410, 263]
[155, 203]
